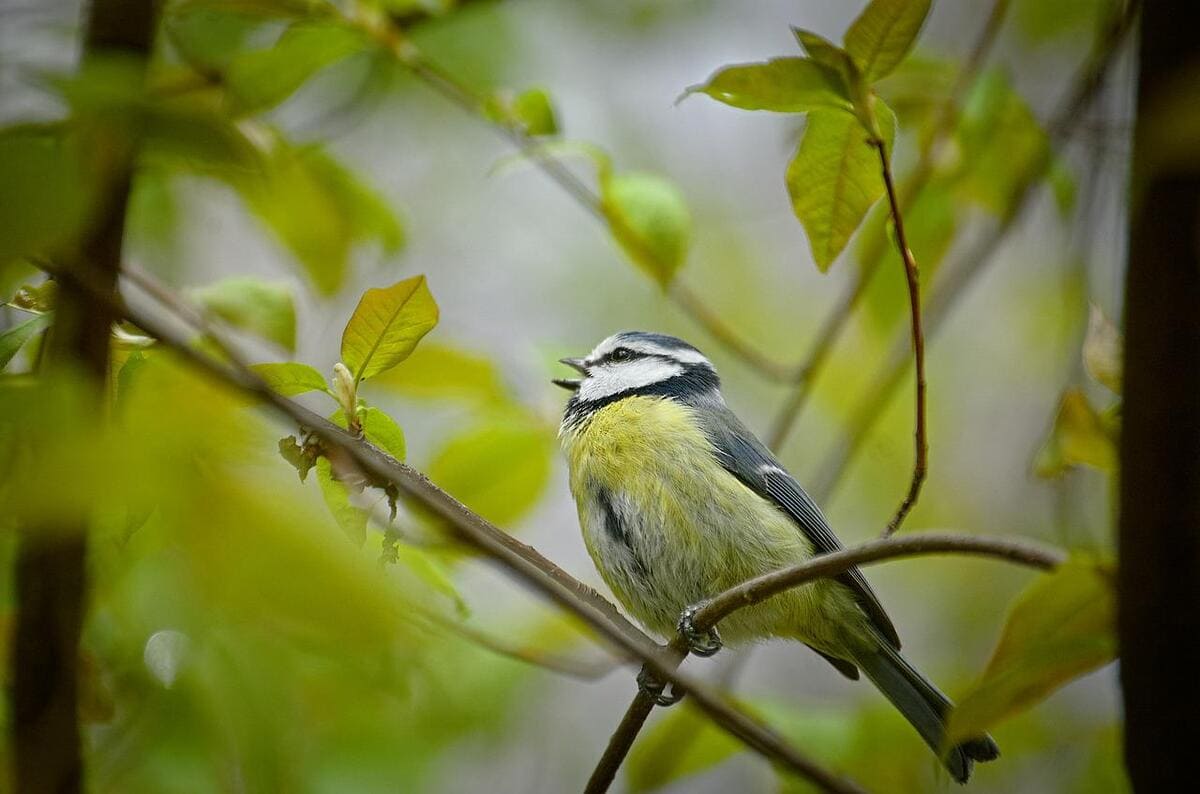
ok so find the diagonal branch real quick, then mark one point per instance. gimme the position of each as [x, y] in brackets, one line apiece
[520, 561]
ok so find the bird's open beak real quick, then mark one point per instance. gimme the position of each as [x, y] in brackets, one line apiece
[571, 384]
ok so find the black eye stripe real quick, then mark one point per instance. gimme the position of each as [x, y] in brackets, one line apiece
[623, 354]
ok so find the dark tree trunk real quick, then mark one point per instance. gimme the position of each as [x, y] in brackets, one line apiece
[51, 564]
[1159, 583]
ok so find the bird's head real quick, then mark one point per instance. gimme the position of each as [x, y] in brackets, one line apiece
[636, 362]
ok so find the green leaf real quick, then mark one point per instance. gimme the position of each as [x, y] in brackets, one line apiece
[251, 304]
[834, 179]
[681, 744]
[498, 469]
[386, 326]
[45, 199]
[783, 85]
[263, 78]
[1103, 350]
[318, 209]
[13, 339]
[1001, 142]
[1043, 22]
[650, 220]
[382, 431]
[290, 378]
[535, 111]
[436, 372]
[427, 569]
[1060, 628]
[352, 519]
[821, 49]
[883, 34]
[1081, 437]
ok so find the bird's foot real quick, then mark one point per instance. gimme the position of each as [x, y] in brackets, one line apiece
[701, 643]
[650, 684]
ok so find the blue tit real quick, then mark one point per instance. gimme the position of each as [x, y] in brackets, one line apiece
[678, 501]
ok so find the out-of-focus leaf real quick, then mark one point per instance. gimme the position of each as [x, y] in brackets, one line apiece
[834, 179]
[681, 744]
[432, 573]
[208, 38]
[45, 199]
[498, 469]
[263, 78]
[650, 219]
[382, 431]
[783, 85]
[262, 307]
[883, 34]
[1001, 142]
[1062, 184]
[13, 339]
[290, 378]
[268, 9]
[352, 519]
[319, 210]
[39, 298]
[1043, 22]
[436, 372]
[917, 91]
[531, 109]
[386, 326]
[1081, 436]
[1103, 350]
[1060, 628]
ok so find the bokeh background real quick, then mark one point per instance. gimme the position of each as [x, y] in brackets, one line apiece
[194, 697]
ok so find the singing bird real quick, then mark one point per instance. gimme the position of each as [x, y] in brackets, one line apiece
[678, 501]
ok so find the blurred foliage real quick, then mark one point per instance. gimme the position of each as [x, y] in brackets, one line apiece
[252, 631]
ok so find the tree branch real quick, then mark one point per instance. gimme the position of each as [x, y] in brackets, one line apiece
[912, 276]
[953, 280]
[522, 562]
[50, 570]
[914, 184]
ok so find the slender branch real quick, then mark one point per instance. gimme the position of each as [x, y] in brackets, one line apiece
[912, 275]
[753, 591]
[927, 157]
[952, 281]
[520, 561]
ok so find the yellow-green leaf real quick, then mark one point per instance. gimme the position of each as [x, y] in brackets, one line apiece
[386, 326]
[1060, 628]
[260, 79]
[382, 431]
[290, 378]
[783, 85]
[1103, 350]
[498, 469]
[352, 519]
[428, 570]
[535, 112]
[821, 49]
[883, 34]
[680, 744]
[1081, 436]
[650, 219]
[437, 372]
[834, 179]
[13, 339]
[261, 307]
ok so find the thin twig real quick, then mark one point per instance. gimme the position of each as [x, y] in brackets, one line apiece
[912, 275]
[927, 158]
[753, 591]
[518, 560]
[952, 281]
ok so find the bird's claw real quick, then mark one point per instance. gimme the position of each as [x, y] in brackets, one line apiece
[649, 684]
[701, 643]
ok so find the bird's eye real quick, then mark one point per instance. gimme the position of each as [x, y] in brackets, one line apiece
[621, 354]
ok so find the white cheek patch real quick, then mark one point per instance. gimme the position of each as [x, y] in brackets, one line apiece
[614, 378]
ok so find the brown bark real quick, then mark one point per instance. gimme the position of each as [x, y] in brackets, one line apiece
[1159, 525]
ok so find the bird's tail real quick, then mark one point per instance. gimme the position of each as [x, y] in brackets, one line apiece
[923, 705]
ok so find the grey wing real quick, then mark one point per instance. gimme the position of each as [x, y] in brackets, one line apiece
[745, 457]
